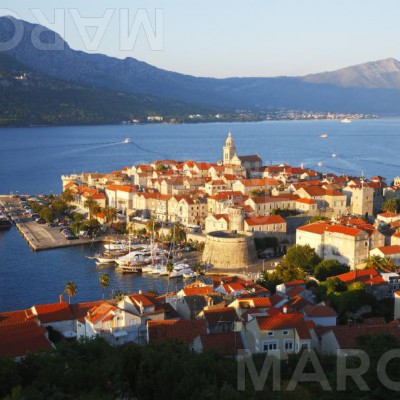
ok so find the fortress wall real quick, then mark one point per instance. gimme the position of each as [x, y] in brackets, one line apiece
[229, 252]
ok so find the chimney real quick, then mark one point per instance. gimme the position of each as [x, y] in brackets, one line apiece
[140, 291]
[284, 309]
[61, 298]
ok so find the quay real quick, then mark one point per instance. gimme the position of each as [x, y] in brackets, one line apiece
[40, 236]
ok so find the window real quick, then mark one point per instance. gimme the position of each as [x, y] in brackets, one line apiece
[286, 332]
[289, 345]
[270, 346]
[270, 333]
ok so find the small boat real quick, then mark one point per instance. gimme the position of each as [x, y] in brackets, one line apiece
[345, 121]
[127, 140]
[323, 135]
[4, 222]
[320, 164]
[333, 155]
[129, 269]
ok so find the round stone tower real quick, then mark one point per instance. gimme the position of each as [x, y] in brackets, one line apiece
[229, 251]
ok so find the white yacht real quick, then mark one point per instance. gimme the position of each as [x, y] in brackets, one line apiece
[127, 140]
[345, 121]
[333, 155]
[180, 269]
[323, 135]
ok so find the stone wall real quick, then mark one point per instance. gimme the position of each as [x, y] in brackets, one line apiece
[229, 251]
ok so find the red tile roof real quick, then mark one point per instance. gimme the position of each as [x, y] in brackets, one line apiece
[319, 311]
[202, 290]
[183, 331]
[346, 336]
[97, 313]
[317, 228]
[19, 339]
[390, 250]
[16, 317]
[225, 344]
[284, 321]
[53, 312]
[295, 283]
[269, 220]
[388, 215]
[220, 315]
[345, 230]
[367, 276]
[306, 201]
[79, 310]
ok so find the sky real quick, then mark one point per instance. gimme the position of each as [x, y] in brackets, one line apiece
[223, 38]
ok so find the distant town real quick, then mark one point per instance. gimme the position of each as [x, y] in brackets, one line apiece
[276, 259]
[250, 116]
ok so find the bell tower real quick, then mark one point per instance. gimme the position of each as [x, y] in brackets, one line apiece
[229, 149]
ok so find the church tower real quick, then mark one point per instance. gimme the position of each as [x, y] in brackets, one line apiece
[229, 149]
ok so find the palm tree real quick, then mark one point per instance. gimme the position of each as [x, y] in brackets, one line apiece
[119, 295]
[374, 262]
[170, 268]
[388, 264]
[71, 290]
[104, 282]
[92, 205]
[177, 233]
[152, 226]
[67, 196]
[197, 267]
[110, 213]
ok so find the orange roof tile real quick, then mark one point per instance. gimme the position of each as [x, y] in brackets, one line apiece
[53, 312]
[269, 220]
[201, 290]
[19, 339]
[184, 331]
[389, 250]
[319, 311]
[306, 201]
[225, 344]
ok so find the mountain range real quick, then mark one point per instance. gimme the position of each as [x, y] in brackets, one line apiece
[373, 87]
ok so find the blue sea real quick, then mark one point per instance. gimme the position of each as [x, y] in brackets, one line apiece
[33, 159]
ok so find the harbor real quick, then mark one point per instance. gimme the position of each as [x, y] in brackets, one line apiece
[39, 236]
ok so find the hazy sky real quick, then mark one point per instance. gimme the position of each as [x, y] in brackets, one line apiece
[227, 37]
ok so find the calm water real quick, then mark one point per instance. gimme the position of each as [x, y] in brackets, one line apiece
[32, 160]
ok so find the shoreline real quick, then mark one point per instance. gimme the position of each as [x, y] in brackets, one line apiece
[227, 121]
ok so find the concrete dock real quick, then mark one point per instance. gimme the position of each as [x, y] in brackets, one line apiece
[39, 236]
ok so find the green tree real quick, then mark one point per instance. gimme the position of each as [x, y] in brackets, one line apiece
[47, 214]
[177, 233]
[270, 280]
[390, 205]
[375, 262]
[71, 290]
[67, 196]
[153, 226]
[328, 268]
[388, 264]
[104, 282]
[197, 267]
[77, 217]
[288, 272]
[110, 213]
[92, 205]
[302, 257]
[317, 218]
[119, 295]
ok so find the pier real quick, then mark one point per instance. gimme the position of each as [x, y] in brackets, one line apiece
[40, 236]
